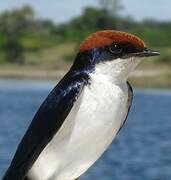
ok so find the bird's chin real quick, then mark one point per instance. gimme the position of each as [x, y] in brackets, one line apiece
[124, 67]
[118, 69]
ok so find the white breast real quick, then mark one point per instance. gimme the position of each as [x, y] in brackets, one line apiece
[88, 130]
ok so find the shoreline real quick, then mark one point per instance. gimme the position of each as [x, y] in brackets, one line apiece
[140, 78]
[31, 74]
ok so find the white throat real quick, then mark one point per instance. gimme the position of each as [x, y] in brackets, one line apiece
[117, 70]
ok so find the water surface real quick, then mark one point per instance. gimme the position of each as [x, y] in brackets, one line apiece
[141, 151]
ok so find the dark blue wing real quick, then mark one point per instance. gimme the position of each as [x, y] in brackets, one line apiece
[45, 124]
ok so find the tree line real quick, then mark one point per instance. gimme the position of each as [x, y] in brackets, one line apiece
[21, 31]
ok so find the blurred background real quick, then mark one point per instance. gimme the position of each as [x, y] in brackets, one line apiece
[38, 43]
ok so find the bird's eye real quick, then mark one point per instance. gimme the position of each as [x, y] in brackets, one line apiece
[115, 48]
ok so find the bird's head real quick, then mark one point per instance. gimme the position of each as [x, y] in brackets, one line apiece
[111, 53]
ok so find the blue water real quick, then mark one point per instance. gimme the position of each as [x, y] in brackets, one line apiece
[141, 151]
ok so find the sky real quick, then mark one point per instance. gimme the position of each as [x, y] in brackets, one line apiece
[63, 10]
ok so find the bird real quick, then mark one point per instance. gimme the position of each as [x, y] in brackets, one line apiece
[84, 112]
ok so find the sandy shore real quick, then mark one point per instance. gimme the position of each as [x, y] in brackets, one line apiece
[31, 73]
[157, 78]
[28, 72]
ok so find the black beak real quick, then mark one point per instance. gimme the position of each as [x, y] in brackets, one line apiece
[146, 53]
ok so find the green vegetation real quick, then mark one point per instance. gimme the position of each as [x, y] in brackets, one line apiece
[21, 33]
[28, 41]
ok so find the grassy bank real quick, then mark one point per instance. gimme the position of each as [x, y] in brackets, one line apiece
[142, 77]
[45, 50]
[157, 80]
[53, 63]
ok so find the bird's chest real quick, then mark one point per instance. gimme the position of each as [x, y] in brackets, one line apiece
[87, 131]
[102, 110]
